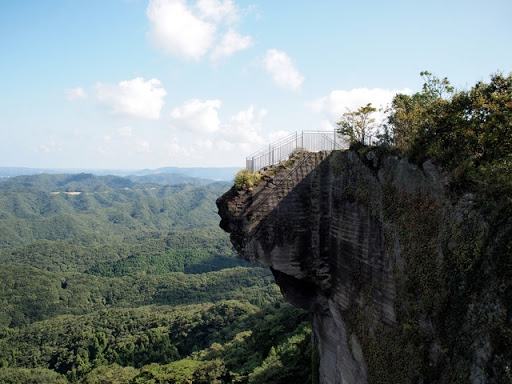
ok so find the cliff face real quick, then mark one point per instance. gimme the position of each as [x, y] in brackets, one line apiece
[405, 285]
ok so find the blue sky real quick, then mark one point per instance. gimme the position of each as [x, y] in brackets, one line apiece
[148, 84]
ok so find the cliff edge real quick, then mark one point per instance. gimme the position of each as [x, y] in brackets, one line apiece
[405, 282]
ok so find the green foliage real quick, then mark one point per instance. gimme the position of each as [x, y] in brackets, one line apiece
[111, 374]
[30, 295]
[410, 114]
[469, 134]
[246, 179]
[434, 87]
[105, 280]
[179, 372]
[185, 371]
[182, 260]
[400, 354]
[97, 346]
[417, 221]
[279, 336]
[32, 376]
[73, 345]
[451, 273]
[290, 360]
[358, 125]
[101, 212]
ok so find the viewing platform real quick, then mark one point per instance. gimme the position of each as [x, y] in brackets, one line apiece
[312, 141]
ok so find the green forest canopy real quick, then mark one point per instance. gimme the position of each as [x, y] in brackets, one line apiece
[105, 279]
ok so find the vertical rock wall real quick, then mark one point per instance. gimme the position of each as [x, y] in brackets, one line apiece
[364, 241]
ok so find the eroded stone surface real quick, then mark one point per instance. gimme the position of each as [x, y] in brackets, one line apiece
[323, 245]
[326, 226]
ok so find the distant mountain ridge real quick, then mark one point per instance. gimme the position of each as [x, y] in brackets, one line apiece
[227, 173]
[210, 173]
[88, 182]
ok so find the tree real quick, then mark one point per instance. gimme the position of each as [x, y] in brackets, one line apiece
[358, 125]
[113, 374]
[411, 115]
[436, 88]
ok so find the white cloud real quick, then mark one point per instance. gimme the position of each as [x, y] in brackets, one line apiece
[125, 141]
[231, 42]
[176, 149]
[203, 144]
[52, 146]
[125, 131]
[338, 101]
[218, 11]
[234, 149]
[327, 125]
[142, 146]
[76, 93]
[245, 127]
[176, 30]
[279, 65]
[136, 97]
[100, 150]
[193, 31]
[199, 116]
[274, 136]
[44, 148]
[224, 142]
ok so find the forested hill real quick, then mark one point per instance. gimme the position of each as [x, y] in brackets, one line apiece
[107, 277]
[88, 209]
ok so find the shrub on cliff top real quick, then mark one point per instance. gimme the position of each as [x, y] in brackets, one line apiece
[246, 179]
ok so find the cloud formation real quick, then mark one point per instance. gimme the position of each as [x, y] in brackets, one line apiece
[245, 127]
[338, 101]
[279, 65]
[217, 10]
[230, 43]
[52, 146]
[136, 97]
[125, 131]
[229, 138]
[76, 93]
[191, 32]
[199, 116]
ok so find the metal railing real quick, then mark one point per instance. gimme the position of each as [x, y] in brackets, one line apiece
[279, 185]
[313, 141]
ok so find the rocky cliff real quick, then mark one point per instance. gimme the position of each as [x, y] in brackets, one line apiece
[406, 282]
